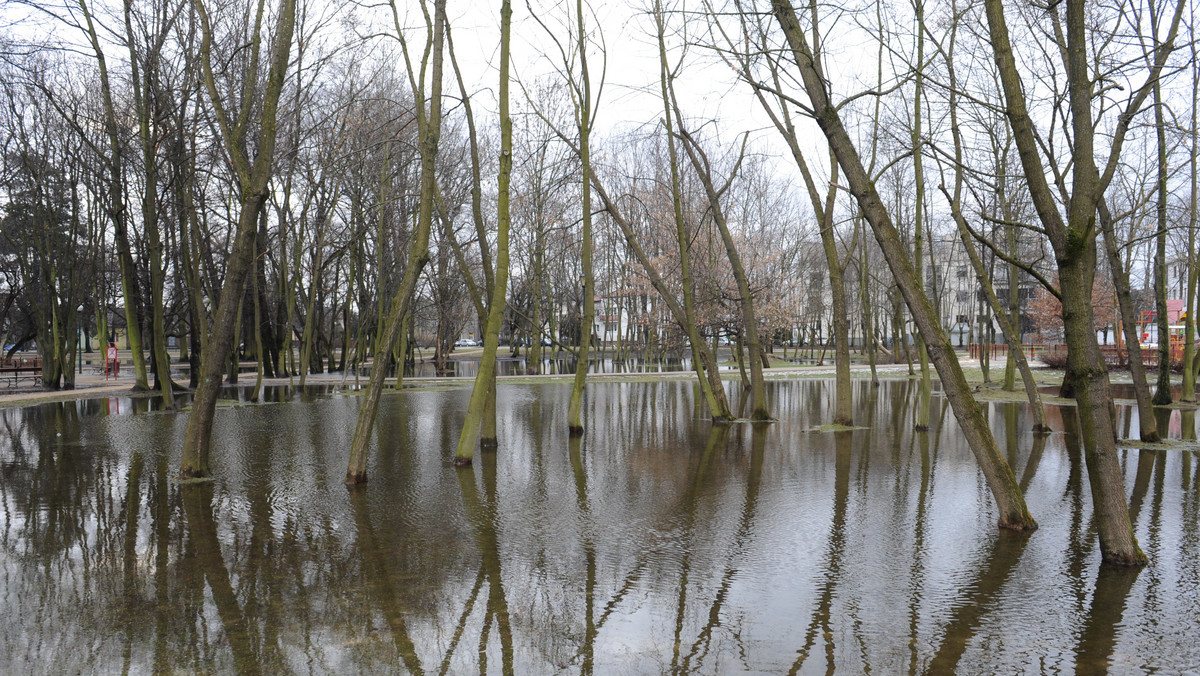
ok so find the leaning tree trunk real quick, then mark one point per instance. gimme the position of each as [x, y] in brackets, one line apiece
[1137, 369]
[1009, 323]
[253, 177]
[704, 361]
[1013, 513]
[418, 255]
[1016, 355]
[197, 440]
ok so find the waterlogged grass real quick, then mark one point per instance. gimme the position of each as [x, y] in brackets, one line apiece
[835, 428]
[996, 394]
[1165, 445]
[1041, 376]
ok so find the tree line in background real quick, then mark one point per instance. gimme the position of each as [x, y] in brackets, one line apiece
[326, 189]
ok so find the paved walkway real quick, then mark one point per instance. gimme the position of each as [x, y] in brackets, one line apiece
[90, 385]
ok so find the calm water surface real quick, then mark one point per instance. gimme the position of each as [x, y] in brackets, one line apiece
[653, 545]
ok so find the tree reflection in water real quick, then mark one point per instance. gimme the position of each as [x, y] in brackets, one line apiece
[654, 543]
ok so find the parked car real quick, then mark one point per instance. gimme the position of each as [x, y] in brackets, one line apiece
[466, 342]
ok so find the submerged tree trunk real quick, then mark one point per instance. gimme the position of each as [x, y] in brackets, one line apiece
[1010, 323]
[1013, 513]
[868, 314]
[1085, 367]
[1162, 390]
[926, 387]
[753, 342]
[1137, 369]
[145, 98]
[1074, 243]
[485, 378]
[429, 132]
[823, 210]
[1189, 300]
[1016, 356]
[714, 393]
[703, 358]
[583, 115]
[253, 176]
[1014, 302]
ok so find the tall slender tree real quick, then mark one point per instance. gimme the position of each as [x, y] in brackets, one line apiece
[1013, 513]
[485, 378]
[429, 129]
[252, 167]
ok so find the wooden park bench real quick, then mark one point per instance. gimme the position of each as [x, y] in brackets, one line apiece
[13, 371]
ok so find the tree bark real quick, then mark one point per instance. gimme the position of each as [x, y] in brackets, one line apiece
[1013, 513]
[1189, 300]
[130, 288]
[583, 113]
[1162, 390]
[429, 131]
[1074, 246]
[253, 178]
[1137, 369]
[485, 378]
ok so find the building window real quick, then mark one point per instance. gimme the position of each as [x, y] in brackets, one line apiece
[963, 296]
[962, 272]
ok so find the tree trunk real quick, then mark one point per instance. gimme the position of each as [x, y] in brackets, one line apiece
[1162, 391]
[1013, 513]
[485, 378]
[197, 441]
[926, 387]
[703, 359]
[1010, 324]
[1073, 240]
[1085, 366]
[130, 289]
[253, 177]
[1137, 369]
[1189, 300]
[583, 115]
[429, 130]
[144, 96]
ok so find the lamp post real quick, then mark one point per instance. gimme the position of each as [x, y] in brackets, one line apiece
[79, 339]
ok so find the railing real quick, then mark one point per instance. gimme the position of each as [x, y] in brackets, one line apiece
[1119, 356]
[993, 350]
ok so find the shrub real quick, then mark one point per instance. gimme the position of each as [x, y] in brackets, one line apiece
[1055, 359]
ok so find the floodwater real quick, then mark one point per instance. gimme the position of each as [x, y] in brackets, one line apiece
[655, 544]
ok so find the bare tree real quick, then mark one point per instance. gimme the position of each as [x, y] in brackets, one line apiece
[253, 173]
